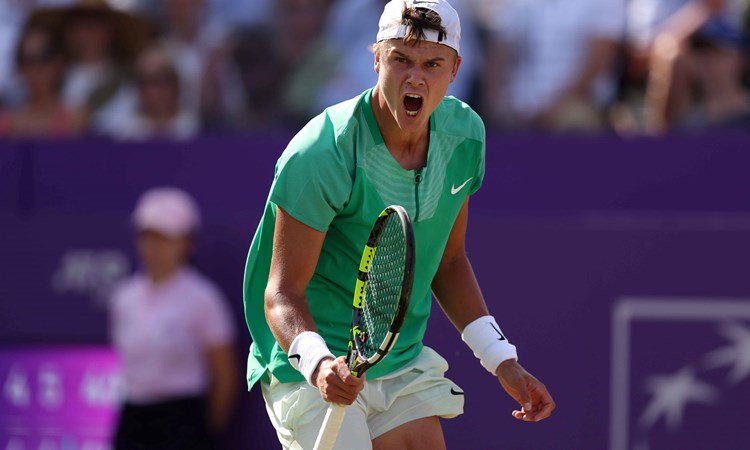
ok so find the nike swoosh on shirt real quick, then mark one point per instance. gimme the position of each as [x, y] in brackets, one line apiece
[454, 189]
[456, 392]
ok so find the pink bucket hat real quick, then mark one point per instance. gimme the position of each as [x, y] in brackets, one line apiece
[168, 210]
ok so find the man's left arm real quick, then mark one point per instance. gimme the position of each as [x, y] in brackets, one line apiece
[457, 291]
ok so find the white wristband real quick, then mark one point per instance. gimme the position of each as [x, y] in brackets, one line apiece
[489, 344]
[306, 351]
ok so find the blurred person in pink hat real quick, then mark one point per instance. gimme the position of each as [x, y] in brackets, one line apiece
[175, 335]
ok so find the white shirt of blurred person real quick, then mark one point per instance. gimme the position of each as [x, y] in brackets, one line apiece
[201, 51]
[158, 112]
[550, 64]
[354, 72]
[101, 42]
[174, 333]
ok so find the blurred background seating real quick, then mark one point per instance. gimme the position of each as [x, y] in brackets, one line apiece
[628, 67]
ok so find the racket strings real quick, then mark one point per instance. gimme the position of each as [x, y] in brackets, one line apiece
[384, 286]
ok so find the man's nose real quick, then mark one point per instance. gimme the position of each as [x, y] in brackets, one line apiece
[416, 75]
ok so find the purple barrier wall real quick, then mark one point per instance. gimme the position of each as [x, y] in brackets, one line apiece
[617, 267]
[12, 178]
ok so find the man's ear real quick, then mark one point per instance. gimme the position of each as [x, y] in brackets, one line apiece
[456, 65]
[376, 63]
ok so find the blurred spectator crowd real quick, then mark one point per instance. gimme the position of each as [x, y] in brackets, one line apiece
[144, 69]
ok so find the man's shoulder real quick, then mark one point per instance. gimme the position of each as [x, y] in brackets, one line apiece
[328, 126]
[343, 113]
[457, 118]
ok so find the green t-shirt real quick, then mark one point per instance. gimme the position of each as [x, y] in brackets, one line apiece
[335, 176]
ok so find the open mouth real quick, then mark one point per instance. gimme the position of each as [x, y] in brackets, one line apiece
[412, 103]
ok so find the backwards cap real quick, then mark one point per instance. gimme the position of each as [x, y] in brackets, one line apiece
[391, 22]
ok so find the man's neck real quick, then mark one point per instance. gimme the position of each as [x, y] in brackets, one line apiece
[409, 149]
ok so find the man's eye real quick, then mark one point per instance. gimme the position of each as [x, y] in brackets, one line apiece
[400, 59]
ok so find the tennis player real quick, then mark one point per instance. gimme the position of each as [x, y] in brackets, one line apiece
[401, 142]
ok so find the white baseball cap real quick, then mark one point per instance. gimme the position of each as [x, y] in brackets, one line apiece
[168, 210]
[391, 22]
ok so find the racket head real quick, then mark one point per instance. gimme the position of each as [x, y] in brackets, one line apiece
[383, 289]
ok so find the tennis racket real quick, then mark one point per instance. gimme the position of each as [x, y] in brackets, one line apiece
[381, 298]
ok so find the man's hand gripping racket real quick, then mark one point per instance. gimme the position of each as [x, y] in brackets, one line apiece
[381, 298]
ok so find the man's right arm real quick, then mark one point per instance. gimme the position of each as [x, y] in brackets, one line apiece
[296, 249]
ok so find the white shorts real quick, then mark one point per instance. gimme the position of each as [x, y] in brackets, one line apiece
[417, 390]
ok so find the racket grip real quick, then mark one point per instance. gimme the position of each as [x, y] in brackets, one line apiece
[330, 428]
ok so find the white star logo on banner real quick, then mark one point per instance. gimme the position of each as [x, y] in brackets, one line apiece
[671, 394]
[736, 354]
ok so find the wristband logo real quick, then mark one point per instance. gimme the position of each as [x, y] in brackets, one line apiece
[502, 337]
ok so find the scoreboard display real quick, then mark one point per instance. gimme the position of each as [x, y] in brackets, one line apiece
[58, 397]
